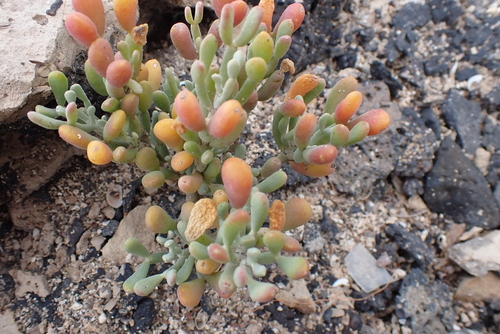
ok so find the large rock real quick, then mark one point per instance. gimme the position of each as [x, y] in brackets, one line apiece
[479, 255]
[133, 225]
[423, 305]
[464, 117]
[457, 188]
[34, 43]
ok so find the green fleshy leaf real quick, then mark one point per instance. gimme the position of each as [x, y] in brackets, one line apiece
[59, 84]
[140, 273]
[146, 285]
[134, 246]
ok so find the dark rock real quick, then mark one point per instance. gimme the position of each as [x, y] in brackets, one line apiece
[92, 253]
[464, 117]
[465, 74]
[328, 227]
[355, 320]
[380, 72]
[476, 33]
[493, 96]
[412, 187]
[412, 244]
[347, 59]
[431, 121]
[457, 188]
[491, 133]
[427, 306]
[413, 73]
[411, 15]
[313, 241]
[316, 35]
[109, 227]
[7, 289]
[445, 11]
[144, 315]
[75, 231]
[414, 145]
[380, 304]
[127, 272]
[405, 42]
[390, 51]
[436, 65]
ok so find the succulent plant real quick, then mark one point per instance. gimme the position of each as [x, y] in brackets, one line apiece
[187, 132]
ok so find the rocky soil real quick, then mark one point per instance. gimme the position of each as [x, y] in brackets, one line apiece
[415, 210]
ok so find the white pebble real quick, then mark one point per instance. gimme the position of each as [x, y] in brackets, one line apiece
[102, 318]
[341, 282]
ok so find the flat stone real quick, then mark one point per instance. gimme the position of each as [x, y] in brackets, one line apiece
[411, 244]
[425, 306]
[445, 10]
[45, 46]
[133, 225]
[457, 188]
[27, 282]
[412, 15]
[363, 268]
[8, 323]
[491, 133]
[479, 255]
[298, 297]
[464, 117]
[479, 289]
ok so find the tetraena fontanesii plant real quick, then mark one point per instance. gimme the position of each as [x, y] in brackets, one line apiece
[187, 132]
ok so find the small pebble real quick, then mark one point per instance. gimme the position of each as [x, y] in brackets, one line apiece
[102, 318]
[76, 306]
[341, 282]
